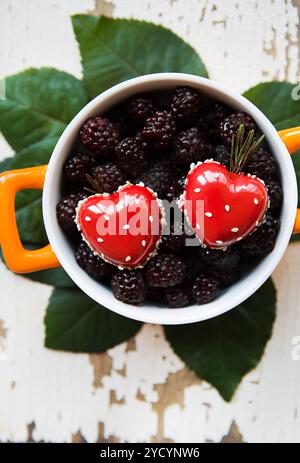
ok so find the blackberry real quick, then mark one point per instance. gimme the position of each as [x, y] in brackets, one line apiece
[185, 105]
[178, 296]
[262, 241]
[66, 212]
[226, 278]
[175, 189]
[222, 259]
[156, 295]
[179, 171]
[174, 241]
[216, 113]
[165, 270]
[229, 126]
[76, 168]
[159, 129]
[205, 289]
[222, 155]
[92, 264]
[158, 177]
[132, 157]
[262, 164]
[100, 135]
[107, 178]
[275, 194]
[139, 108]
[202, 124]
[189, 146]
[118, 115]
[194, 265]
[142, 142]
[129, 286]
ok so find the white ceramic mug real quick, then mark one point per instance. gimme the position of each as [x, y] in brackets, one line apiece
[60, 252]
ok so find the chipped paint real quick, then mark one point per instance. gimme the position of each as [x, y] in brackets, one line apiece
[51, 396]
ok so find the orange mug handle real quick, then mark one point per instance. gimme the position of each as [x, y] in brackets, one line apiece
[19, 259]
[291, 139]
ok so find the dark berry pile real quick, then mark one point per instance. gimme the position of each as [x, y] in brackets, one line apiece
[154, 140]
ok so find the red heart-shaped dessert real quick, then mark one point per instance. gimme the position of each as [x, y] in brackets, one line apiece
[124, 228]
[221, 206]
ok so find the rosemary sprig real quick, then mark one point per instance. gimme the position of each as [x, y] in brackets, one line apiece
[96, 186]
[242, 148]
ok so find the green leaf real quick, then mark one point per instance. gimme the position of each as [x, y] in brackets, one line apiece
[29, 202]
[28, 209]
[30, 218]
[54, 277]
[39, 103]
[222, 350]
[5, 164]
[76, 323]
[114, 50]
[36, 154]
[31, 226]
[275, 100]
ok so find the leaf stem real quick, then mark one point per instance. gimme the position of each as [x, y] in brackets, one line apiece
[242, 149]
[96, 185]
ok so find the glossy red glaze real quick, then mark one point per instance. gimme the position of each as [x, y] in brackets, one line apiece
[124, 228]
[223, 207]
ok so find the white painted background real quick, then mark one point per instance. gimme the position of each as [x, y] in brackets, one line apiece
[140, 391]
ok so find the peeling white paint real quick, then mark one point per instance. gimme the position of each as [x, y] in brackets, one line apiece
[203, 417]
[235, 39]
[242, 43]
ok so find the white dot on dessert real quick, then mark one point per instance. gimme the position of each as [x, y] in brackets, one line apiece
[255, 200]
[143, 243]
[100, 240]
[151, 218]
[208, 214]
[234, 229]
[227, 207]
[219, 242]
[197, 190]
[94, 209]
[128, 258]
[87, 218]
[106, 217]
[126, 227]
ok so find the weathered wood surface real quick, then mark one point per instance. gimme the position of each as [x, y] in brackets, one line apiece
[140, 391]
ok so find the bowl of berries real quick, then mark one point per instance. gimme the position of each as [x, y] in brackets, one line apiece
[168, 199]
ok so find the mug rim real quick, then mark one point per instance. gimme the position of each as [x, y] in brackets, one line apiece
[232, 296]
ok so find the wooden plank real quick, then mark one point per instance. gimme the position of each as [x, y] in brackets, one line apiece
[140, 391]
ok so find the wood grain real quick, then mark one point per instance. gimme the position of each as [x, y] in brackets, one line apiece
[140, 391]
